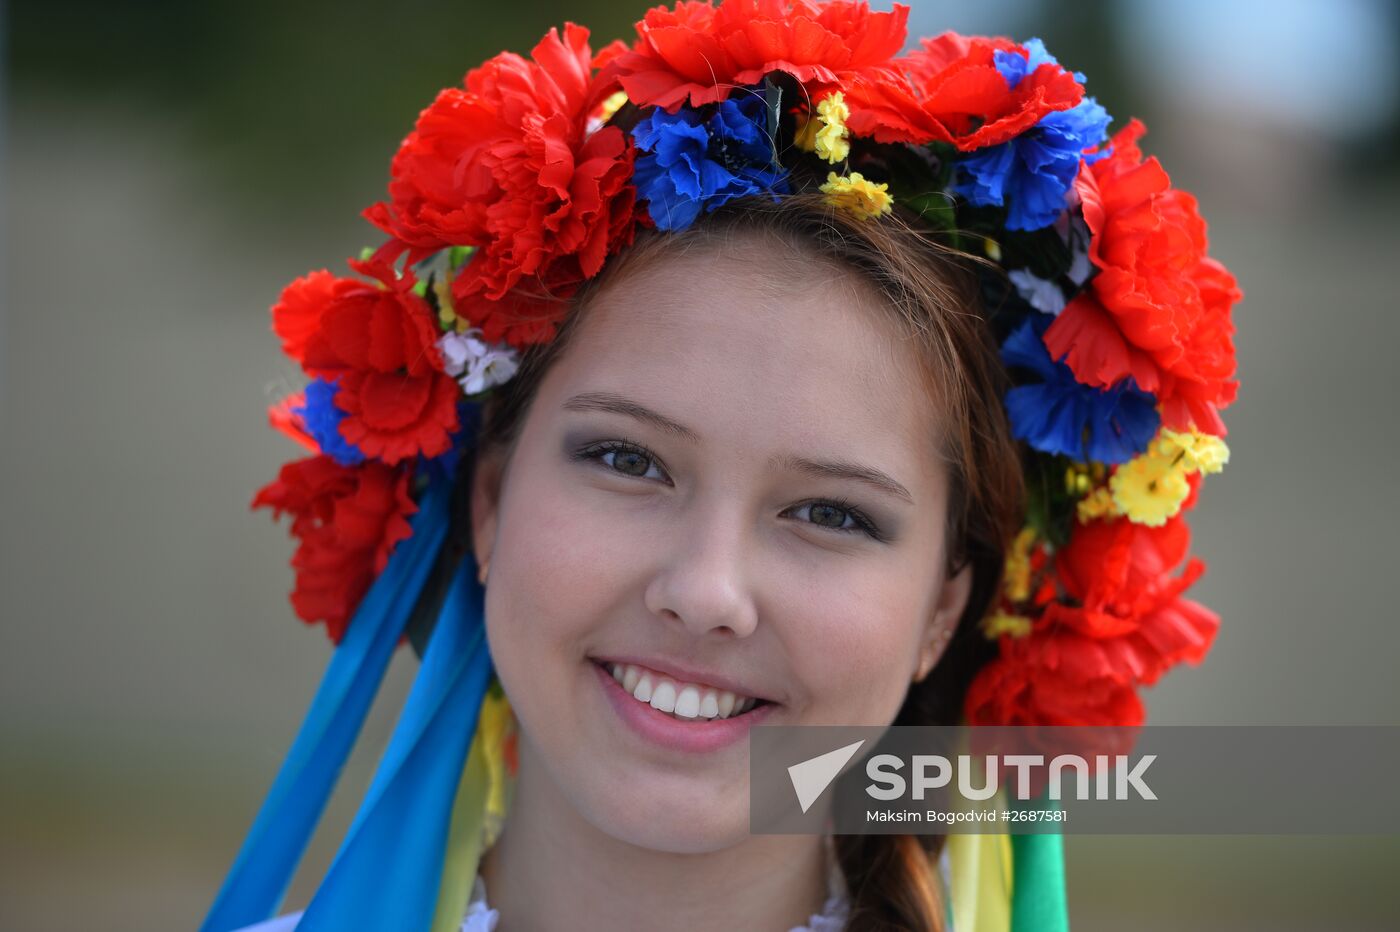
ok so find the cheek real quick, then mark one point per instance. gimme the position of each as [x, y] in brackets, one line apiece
[853, 639]
[558, 571]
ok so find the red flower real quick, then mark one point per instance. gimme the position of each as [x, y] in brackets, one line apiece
[284, 419]
[379, 342]
[507, 164]
[1159, 307]
[1054, 678]
[1121, 625]
[699, 52]
[1116, 574]
[950, 91]
[348, 519]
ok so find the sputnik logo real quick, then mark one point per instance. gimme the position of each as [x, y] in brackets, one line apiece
[811, 777]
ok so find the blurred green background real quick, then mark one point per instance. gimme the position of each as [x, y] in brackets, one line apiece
[169, 166]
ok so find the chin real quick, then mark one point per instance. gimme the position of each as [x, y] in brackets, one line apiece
[656, 822]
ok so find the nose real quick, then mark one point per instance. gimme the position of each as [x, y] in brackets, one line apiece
[702, 584]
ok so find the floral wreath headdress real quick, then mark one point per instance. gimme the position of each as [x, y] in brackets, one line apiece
[514, 189]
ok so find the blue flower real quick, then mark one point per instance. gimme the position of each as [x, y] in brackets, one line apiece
[1014, 67]
[1061, 415]
[1033, 172]
[689, 162]
[321, 419]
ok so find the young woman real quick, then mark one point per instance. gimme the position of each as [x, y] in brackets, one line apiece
[686, 395]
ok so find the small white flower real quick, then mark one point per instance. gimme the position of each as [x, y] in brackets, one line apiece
[476, 364]
[456, 351]
[1041, 293]
[495, 367]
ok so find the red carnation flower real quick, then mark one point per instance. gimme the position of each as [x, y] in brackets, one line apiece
[1054, 678]
[284, 419]
[1159, 307]
[380, 343]
[950, 91]
[1122, 625]
[507, 164]
[348, 519]
[699, 52]
[1116, 573]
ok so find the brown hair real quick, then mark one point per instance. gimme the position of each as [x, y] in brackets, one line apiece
[932, 291]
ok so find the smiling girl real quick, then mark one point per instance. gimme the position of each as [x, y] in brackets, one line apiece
[688, 398]
[731, 484]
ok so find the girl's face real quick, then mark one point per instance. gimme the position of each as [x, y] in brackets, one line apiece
[730, 478]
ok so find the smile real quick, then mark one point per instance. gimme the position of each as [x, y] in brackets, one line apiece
[678, 698]
[675, 713]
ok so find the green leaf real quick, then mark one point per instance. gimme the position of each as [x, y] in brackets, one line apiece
[458, 255]
[773, 105]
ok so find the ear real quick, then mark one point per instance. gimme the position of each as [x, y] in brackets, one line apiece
[486, 502]
[952, 601]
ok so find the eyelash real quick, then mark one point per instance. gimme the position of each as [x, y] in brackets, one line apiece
[864, 524]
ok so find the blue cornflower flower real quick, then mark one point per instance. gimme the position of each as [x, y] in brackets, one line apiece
[1062, 415]
[321, 419]
[1033, 172]
[1013, 67]
[688, 163]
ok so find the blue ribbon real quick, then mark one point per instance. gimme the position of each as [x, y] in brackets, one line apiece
[263, 869]
[388, 871]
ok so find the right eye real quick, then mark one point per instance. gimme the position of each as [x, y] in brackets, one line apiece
[624, 458]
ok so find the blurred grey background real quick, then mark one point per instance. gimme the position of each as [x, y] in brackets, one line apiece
[169, 166]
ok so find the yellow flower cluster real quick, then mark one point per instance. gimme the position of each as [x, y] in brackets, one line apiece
[1150, 488]
[833, 140]
[999, 623]
[611, 105]
[447, 314]
[865, 199]
[1016, 578]
[1097, 504]
[825, 132]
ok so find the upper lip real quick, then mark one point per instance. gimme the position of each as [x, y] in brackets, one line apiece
[689, 674]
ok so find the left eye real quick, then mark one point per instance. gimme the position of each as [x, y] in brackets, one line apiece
[833, 516]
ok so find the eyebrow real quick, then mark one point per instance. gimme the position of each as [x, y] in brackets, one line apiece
[825, 469]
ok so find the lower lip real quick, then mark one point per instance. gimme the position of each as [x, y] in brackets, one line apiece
[695, 737]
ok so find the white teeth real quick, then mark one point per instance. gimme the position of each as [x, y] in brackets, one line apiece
[683, 700]
[688, 702]
[664, 698]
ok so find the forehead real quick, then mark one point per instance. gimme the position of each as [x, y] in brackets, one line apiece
[761, 349]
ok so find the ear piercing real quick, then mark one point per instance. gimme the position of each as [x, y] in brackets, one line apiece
[481, 569]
